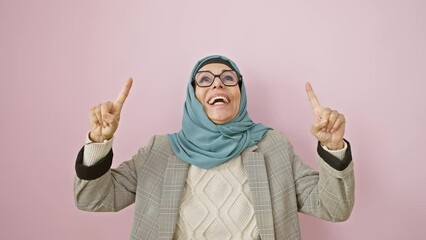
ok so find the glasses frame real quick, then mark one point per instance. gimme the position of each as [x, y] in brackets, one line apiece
[239, 76]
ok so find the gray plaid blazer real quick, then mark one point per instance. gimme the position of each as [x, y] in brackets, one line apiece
[280, 184]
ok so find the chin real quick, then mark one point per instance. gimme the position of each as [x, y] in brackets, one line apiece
[221, 120]
[220, 116]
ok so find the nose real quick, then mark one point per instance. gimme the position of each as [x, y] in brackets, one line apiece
[217, 83]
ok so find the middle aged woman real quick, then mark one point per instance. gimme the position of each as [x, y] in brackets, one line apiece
[221, 176]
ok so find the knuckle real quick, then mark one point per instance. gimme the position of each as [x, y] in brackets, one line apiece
[327, 111]
[334, 114]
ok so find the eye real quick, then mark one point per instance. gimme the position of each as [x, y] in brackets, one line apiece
[229, 77]
[203, 78]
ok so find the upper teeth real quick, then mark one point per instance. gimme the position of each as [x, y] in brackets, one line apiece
[216, 98]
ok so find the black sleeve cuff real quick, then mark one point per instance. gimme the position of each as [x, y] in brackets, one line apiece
[332, 160]
[92, 172]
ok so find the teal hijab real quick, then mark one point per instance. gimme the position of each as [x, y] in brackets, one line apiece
[203, 143]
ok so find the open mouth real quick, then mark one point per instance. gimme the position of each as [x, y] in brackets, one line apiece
[218, 100]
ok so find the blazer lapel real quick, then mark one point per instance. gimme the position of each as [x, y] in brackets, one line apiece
[174, 180]
[254, 164]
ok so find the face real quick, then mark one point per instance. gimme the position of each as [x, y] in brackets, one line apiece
[221, 103]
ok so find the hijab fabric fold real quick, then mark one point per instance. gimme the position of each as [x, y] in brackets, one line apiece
[205, 144]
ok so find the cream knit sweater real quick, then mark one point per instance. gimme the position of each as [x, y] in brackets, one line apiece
[216, 204]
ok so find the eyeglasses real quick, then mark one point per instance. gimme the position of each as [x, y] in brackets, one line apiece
[206, 78]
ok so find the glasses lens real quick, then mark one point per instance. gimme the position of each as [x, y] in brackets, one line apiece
[229, 78]
[204, 79]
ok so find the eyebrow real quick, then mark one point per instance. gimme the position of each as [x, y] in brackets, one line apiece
[226, 70]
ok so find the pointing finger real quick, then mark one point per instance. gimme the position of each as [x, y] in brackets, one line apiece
[312, 97]
[124, 92]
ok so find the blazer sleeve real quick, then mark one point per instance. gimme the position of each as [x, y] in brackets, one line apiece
[328, 193]
[99, 188]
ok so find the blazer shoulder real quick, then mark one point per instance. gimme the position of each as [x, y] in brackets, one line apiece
[161, 142]
[158, 145]
[274, 137]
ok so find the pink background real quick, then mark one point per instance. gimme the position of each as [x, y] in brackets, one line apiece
[365, 58]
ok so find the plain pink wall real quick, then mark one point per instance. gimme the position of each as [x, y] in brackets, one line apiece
[366, 58]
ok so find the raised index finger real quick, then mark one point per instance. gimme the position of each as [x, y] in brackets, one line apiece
[124, 92]
[312, 97]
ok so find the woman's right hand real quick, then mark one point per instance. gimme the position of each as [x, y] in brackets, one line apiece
[104, 118]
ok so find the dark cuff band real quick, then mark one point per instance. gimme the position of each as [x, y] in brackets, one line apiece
[92, 172]
[332, 160]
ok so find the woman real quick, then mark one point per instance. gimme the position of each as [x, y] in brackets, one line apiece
[222, 176]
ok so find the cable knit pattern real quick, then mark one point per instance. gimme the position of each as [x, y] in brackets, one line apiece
[216, 204]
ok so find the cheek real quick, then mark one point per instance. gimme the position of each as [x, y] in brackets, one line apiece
[199, 94]
[238, 103]
[237, 100]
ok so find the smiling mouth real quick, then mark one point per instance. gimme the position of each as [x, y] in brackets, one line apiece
[218, 100]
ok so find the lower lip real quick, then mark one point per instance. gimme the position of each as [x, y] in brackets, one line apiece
[219, 105]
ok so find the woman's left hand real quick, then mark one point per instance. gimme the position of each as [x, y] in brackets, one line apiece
[329, 125]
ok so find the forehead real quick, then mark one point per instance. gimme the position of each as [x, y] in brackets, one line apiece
[215, 68]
